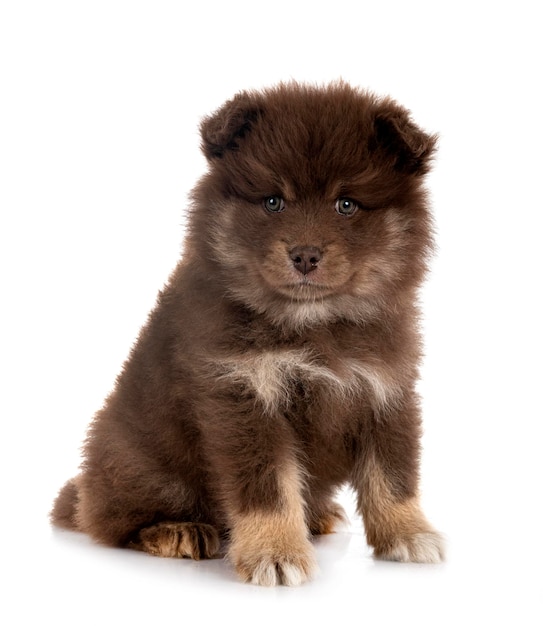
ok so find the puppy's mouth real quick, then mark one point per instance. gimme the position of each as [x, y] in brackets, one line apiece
[304, 288]
[306, 283]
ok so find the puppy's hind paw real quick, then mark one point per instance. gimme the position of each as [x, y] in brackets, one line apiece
[327, 521]
[427, 547]
[180, 539]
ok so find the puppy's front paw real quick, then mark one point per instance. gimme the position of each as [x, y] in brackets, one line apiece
[268, 553]
[268, 569]
[424, 547]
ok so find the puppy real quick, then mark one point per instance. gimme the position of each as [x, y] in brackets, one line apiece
[280, 361]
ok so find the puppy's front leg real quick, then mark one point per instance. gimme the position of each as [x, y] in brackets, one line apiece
[386, 480]
[270, 544]
[260, 485]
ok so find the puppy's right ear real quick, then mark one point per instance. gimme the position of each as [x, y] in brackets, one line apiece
[222, 130]
[410, 148]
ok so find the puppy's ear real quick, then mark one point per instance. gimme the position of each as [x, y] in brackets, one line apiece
[222, 130]
[401, 140]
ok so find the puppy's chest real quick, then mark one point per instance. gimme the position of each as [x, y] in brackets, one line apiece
[279, 377]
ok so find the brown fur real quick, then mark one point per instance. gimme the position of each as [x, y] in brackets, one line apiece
[281, 359]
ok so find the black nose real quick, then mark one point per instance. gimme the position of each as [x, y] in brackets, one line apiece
[305, 258]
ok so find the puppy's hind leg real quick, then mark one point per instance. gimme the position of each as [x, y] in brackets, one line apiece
[192, 540]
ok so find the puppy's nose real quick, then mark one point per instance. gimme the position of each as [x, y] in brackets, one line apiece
[305, 258]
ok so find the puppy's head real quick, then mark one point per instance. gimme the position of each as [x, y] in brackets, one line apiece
[312, 207]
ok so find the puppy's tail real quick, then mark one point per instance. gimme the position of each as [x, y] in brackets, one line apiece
[65, 507]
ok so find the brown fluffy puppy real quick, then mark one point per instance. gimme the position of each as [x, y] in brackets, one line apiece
[280, 361]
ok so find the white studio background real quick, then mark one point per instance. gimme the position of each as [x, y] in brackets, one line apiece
[99, 110]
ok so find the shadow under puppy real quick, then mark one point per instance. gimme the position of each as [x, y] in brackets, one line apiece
[281, 358]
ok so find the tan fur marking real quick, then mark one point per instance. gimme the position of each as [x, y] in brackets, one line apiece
[300, 315]
[274, 548]
[269, 374]
[398, 531]
[385, 267]
[223, 245]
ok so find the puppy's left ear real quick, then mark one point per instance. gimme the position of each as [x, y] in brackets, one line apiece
[223, 130]
[410, 148]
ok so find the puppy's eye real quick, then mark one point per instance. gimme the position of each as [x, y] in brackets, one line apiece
[274, 204]
[346, 206]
